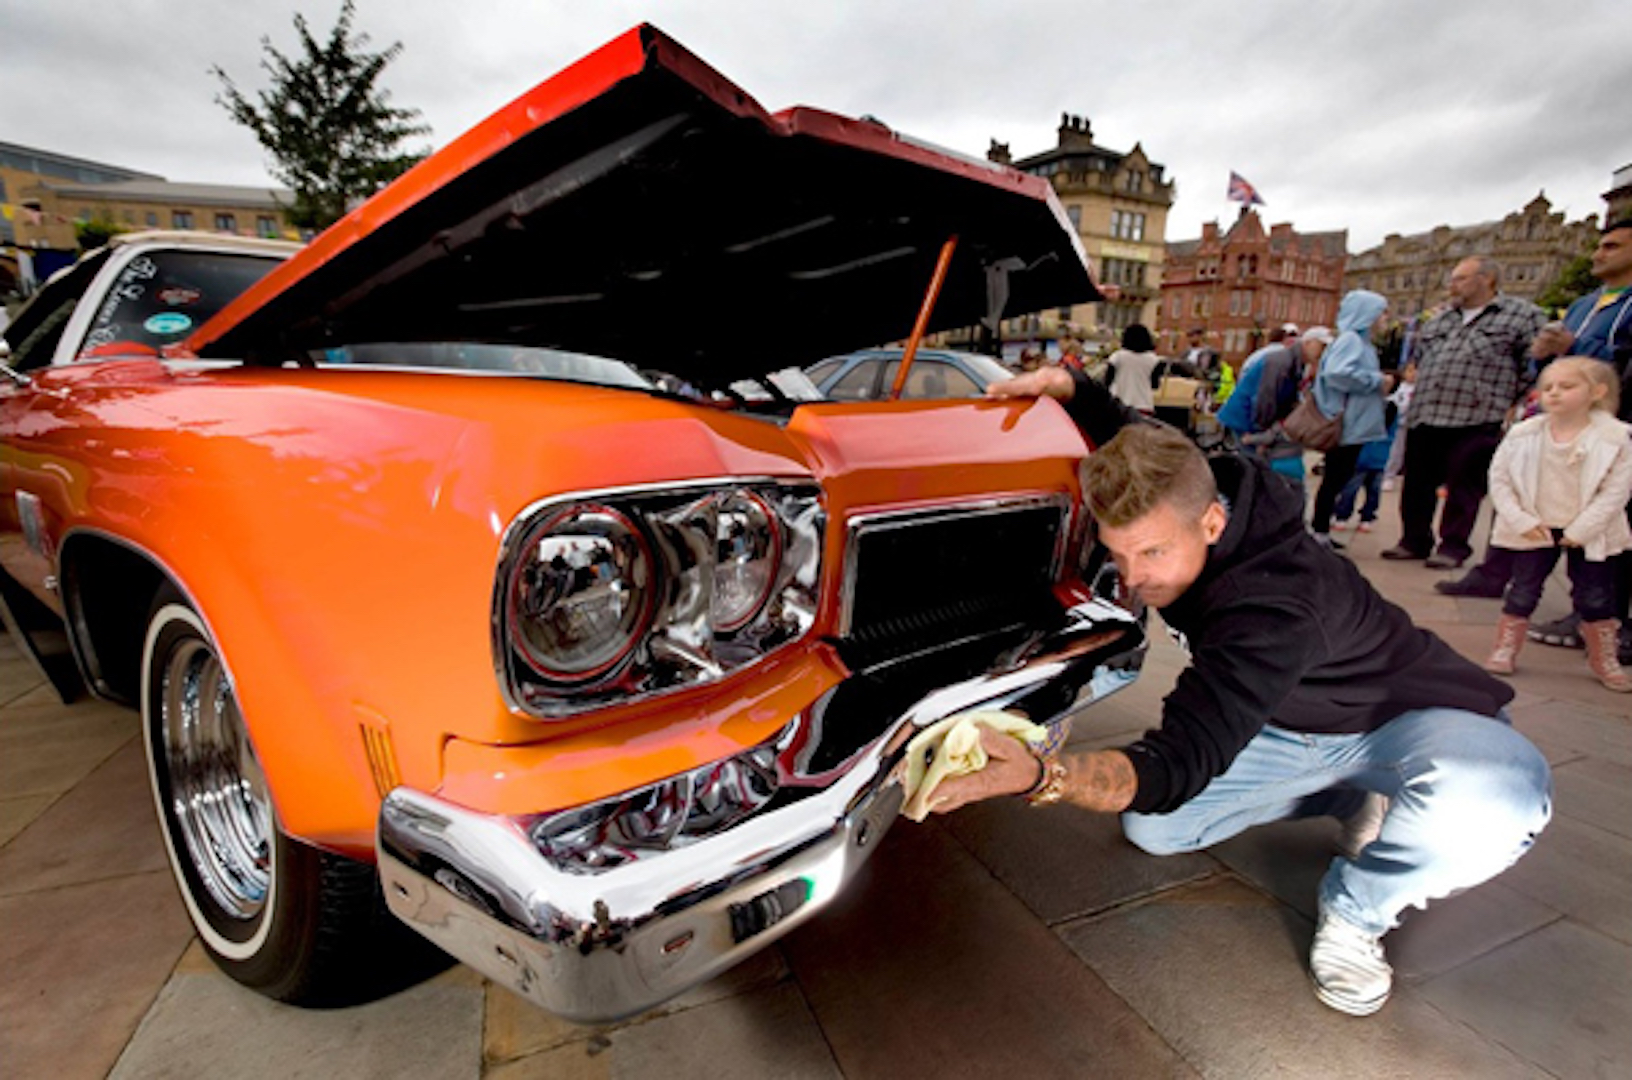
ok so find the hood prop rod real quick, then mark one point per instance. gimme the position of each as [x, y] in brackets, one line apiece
[924, 310]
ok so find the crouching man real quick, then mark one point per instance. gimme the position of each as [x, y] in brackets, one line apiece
[1306, 694]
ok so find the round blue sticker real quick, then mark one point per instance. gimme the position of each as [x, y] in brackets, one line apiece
[167, 322]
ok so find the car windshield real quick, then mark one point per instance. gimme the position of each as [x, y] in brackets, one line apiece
[477, 356]
[986, 369]
[871, 374]
[160, 296]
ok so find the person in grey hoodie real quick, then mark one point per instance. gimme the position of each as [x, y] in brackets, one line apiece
[1350, 383]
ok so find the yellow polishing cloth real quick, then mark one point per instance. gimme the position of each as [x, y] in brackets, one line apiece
[951, 747]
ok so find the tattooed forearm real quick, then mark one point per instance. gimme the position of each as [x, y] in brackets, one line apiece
[1100, 780]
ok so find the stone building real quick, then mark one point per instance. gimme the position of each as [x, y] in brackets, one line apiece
[1118, 203]
[44, 194]
[1531, 245]
[1619, 195]
[1239, 284]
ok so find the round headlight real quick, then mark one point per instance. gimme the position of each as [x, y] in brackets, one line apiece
[581, 595]
[748, 553]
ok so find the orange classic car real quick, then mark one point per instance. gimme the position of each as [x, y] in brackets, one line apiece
[489, 567]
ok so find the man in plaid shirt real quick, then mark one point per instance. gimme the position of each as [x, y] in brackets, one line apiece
[1472, 369]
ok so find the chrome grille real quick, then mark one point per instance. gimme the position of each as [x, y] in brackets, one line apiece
[919, 580]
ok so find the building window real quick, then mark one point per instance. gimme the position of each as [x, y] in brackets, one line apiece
[152, 220]
[1118, 317]
[1127, 225]
[266, 226]
[1129, 272]
[226, 223]
[1173, 309]
[181, 219]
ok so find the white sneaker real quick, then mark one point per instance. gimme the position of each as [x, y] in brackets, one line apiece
[1361, 827]
[1348, 968]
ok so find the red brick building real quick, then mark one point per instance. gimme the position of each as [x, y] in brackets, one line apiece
[1239, 285]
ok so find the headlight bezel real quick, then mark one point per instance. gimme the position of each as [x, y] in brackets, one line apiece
[679, 644]
[644, 607]
[745, 614]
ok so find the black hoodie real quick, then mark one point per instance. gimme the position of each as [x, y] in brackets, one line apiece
[1279, 631]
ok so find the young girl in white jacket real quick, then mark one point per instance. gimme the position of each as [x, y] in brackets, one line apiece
[1560, 483]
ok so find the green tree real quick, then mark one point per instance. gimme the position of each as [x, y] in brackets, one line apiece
[328, 126]
[1574, 281]
[96, 230]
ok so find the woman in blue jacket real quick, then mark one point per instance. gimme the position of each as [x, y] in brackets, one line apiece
[1351, 384]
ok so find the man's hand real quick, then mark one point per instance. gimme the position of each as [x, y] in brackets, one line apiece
[1098, 780]
[1051, 382]
[1539, 533]
[1011, 768]
[1551, 340]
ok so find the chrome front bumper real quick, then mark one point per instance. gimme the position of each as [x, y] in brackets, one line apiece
[596, 946]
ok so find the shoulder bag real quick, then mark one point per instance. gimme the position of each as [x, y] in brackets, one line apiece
[1174, 391]
[1306, 424]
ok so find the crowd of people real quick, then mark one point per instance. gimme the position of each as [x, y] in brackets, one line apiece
[1307, 693]
[1472, 371]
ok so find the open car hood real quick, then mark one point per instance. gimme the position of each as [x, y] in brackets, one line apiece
[640, 206]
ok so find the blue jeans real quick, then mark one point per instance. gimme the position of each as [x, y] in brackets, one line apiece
[1468, 795]
[1371, 480]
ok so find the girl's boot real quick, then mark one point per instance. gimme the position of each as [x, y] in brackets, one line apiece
[1509, 638]
[1600, 638]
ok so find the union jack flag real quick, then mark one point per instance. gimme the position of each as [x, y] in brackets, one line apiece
[1243, 192]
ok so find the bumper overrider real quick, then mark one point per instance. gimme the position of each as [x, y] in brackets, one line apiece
[596, 939]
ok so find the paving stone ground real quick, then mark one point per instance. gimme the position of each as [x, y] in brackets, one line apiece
[1001, 941]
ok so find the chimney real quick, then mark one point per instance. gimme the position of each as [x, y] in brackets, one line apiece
[999, 152]
[1075, 132]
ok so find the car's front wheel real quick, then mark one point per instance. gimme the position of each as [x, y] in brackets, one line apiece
[277, 915]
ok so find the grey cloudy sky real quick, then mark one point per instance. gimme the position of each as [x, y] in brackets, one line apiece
[1375, 115]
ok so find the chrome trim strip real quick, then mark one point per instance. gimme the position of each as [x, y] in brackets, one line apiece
[604, 945]
[871, 521]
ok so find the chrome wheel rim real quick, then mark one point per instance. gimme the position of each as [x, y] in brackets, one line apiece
[218, 794]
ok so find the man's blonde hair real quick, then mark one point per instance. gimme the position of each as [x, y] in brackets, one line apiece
[1144, 465]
